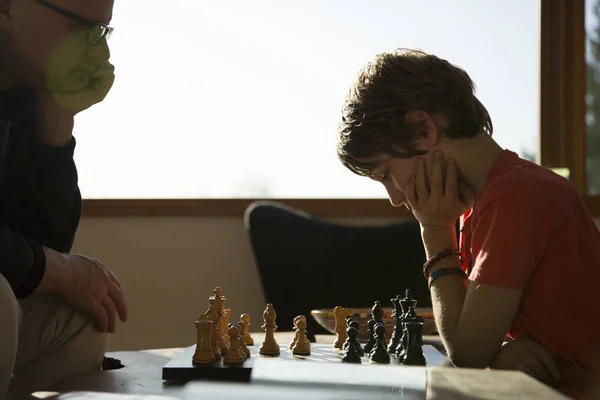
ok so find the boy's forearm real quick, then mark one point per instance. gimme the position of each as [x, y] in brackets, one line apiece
[448, 292]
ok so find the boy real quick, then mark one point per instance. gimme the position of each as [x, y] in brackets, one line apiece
[529, 257]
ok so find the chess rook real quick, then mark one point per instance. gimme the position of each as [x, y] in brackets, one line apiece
[414, 352]
[269, 346]
[204, 353]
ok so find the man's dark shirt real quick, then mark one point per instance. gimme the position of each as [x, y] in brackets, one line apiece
[40, 202]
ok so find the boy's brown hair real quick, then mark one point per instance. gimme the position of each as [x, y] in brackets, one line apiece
[387, 88]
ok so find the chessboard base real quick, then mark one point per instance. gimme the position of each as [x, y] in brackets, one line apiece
[181, 367]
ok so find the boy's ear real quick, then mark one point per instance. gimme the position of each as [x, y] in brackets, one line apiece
[423, 129]
[6, 18]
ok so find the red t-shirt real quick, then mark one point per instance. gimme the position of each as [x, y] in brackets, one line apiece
[530, 229]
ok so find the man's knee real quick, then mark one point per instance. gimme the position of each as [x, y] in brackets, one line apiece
[54, 326]
[10, 315]
[87, 344]
[10, 311]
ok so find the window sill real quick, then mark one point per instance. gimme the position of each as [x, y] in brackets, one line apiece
[237, 207]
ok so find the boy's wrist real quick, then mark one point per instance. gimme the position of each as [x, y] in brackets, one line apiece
[438, 239]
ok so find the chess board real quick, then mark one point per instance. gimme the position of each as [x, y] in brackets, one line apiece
[181, 367]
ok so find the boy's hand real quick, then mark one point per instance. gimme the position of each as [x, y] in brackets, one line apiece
[446, 198]
[523, 354]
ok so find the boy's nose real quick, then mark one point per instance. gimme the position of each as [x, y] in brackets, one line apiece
[396, 197]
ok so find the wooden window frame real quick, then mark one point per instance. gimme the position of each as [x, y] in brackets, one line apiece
[562, 92]
[562, 134]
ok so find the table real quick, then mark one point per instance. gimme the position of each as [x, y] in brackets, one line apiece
[143, 370]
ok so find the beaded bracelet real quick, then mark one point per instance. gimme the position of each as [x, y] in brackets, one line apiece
[445, 271]
[438, 257]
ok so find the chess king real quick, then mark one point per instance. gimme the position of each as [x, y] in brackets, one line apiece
[412, 122]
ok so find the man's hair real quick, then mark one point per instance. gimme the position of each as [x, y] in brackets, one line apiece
[387, 88]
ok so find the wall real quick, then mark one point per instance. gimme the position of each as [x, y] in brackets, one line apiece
[169, 267]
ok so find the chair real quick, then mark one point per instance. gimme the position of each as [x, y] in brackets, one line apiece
[307, 263]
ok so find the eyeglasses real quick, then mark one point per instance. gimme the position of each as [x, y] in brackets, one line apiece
[96, 30]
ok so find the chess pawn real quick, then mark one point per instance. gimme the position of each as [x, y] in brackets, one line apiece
[349, 319]
[305, 337]
[293, 342]
[240, 350]
[340, 326]
[269, 346]
[397, 334]
[351, 355]
[302, 346]
[204, 351]
[371, 343]
[380, 354]
[354, 324]
[248, 340]
[414, 352]
[225, 339]
[377, 312]
[235, 355]
[243, 345]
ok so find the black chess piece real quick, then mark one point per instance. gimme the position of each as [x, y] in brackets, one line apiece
[409, 316]
[354, 324]
[351, 355]
[377, 312]
[405, 303]
[369, 346]
[414, 352]
[349, 319]
[396, 335]
[380, 354]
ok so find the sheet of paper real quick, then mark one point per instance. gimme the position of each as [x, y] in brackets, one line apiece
[112, 396]
[253, 391]
[464, 383]
[409, 382]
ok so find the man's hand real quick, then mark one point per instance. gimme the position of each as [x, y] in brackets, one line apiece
[523, 354]
[87, 284]
[439, 202]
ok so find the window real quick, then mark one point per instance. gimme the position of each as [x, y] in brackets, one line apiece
[238, 99]
[592, 116]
